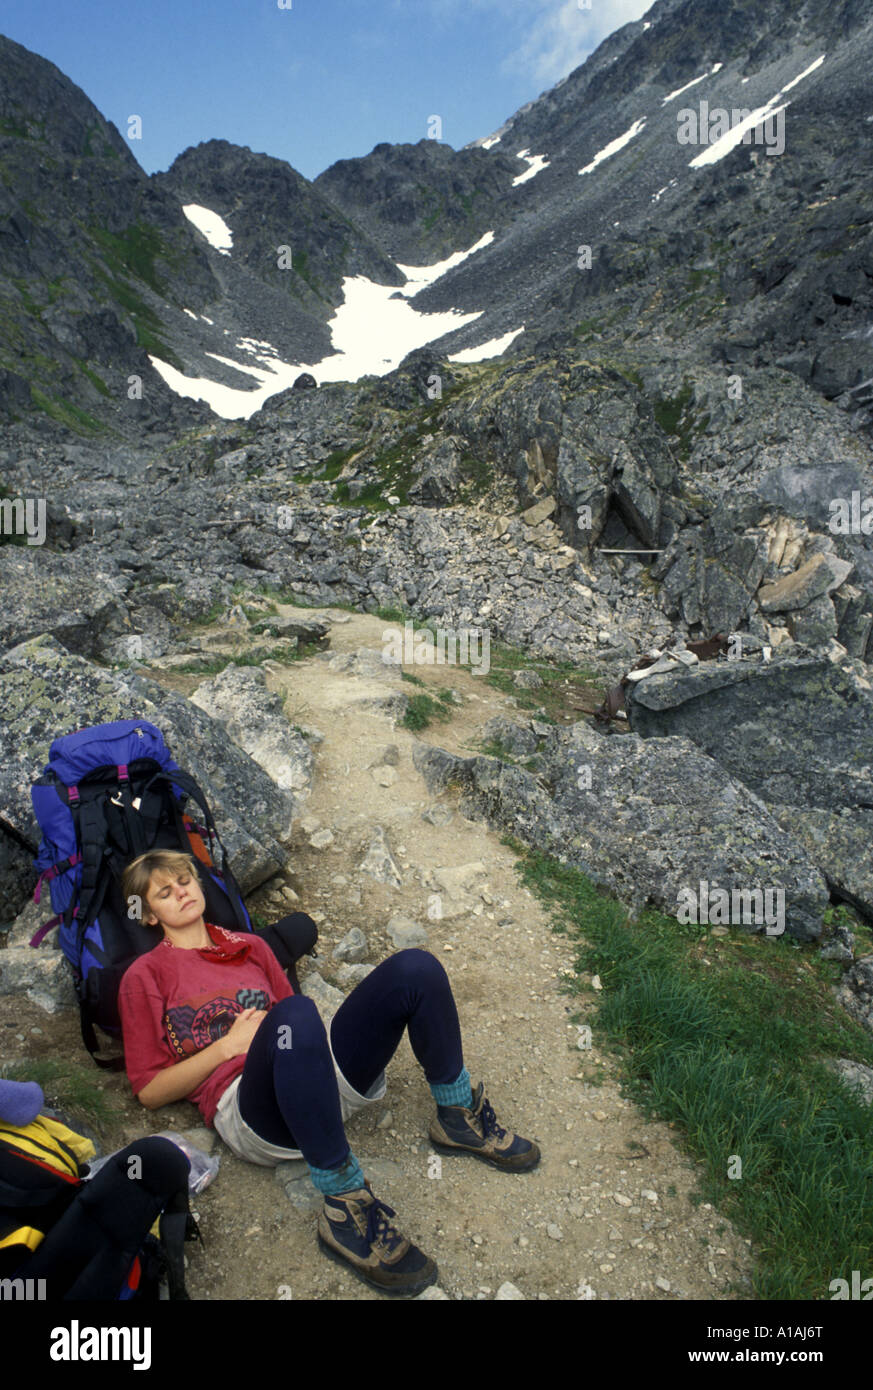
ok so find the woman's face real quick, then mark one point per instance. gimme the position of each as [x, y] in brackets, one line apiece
[174, 900]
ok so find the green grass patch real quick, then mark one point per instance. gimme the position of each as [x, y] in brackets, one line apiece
[477, 475]
[424, 710]
[213, 666]
[495, 748]
[675, 418]
[96, 381]
[66, 413]
[393, 465]
[668, 412]
[586, 328]
[30, 303]
[133, 252]
[564, 685]
[72, 1088]
[727, 1037]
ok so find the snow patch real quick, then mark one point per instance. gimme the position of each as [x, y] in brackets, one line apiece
[657, 196]
[733, 137]
[371, 332]
[492, 140]
[537, 162]
[418, 277]
[493, 348]
[206, 320]
[812, 67]
[258, 347]
[213, 227]
[693, 83]
[190, 313]
[614, 146]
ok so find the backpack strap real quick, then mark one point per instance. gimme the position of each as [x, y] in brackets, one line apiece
[92, 1046]
[90, 825]
[176, 1225]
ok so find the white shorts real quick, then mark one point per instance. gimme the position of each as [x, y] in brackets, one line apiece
[242, 1140]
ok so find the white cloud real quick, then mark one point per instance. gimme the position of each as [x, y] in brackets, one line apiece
[547, 39]
[560, 35]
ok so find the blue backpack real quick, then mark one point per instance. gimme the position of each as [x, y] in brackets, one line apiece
[108, 794]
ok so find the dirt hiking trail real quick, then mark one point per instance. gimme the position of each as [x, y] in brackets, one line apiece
[608, 1214]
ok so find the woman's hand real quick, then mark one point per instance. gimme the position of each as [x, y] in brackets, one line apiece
[179, 1079]
[238, 1038]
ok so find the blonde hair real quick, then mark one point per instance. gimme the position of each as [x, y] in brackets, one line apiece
[137, 877]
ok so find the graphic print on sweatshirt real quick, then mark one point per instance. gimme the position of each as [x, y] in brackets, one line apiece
[207, 1017]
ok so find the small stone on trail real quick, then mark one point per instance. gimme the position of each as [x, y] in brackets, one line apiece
[353, 946]
[321, 839]
[405, 933]
[383, 776]
[350, 975]
[554, 1232]
[508, 1291]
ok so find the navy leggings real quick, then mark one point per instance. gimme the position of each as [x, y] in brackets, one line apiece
[288, 1093]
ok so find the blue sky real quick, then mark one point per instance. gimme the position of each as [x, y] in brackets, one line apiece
[317, 81]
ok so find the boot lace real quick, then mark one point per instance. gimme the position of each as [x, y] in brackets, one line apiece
[379, 1228]
[489, 1122]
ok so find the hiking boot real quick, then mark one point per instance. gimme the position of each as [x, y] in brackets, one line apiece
[354, 1230]
[476, 1131]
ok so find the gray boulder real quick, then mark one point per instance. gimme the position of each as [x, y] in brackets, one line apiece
[76, 600]
[798, 731]
[711, 573]
[43, 977]
[379, 862]
[254, 718]
[856, 1076]
[856, 991]
[651, 820]
[518, 741]
[45, 692]
[818, 576]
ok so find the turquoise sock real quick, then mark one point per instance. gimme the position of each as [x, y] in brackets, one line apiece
[458, 1092]
[333, 1181]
